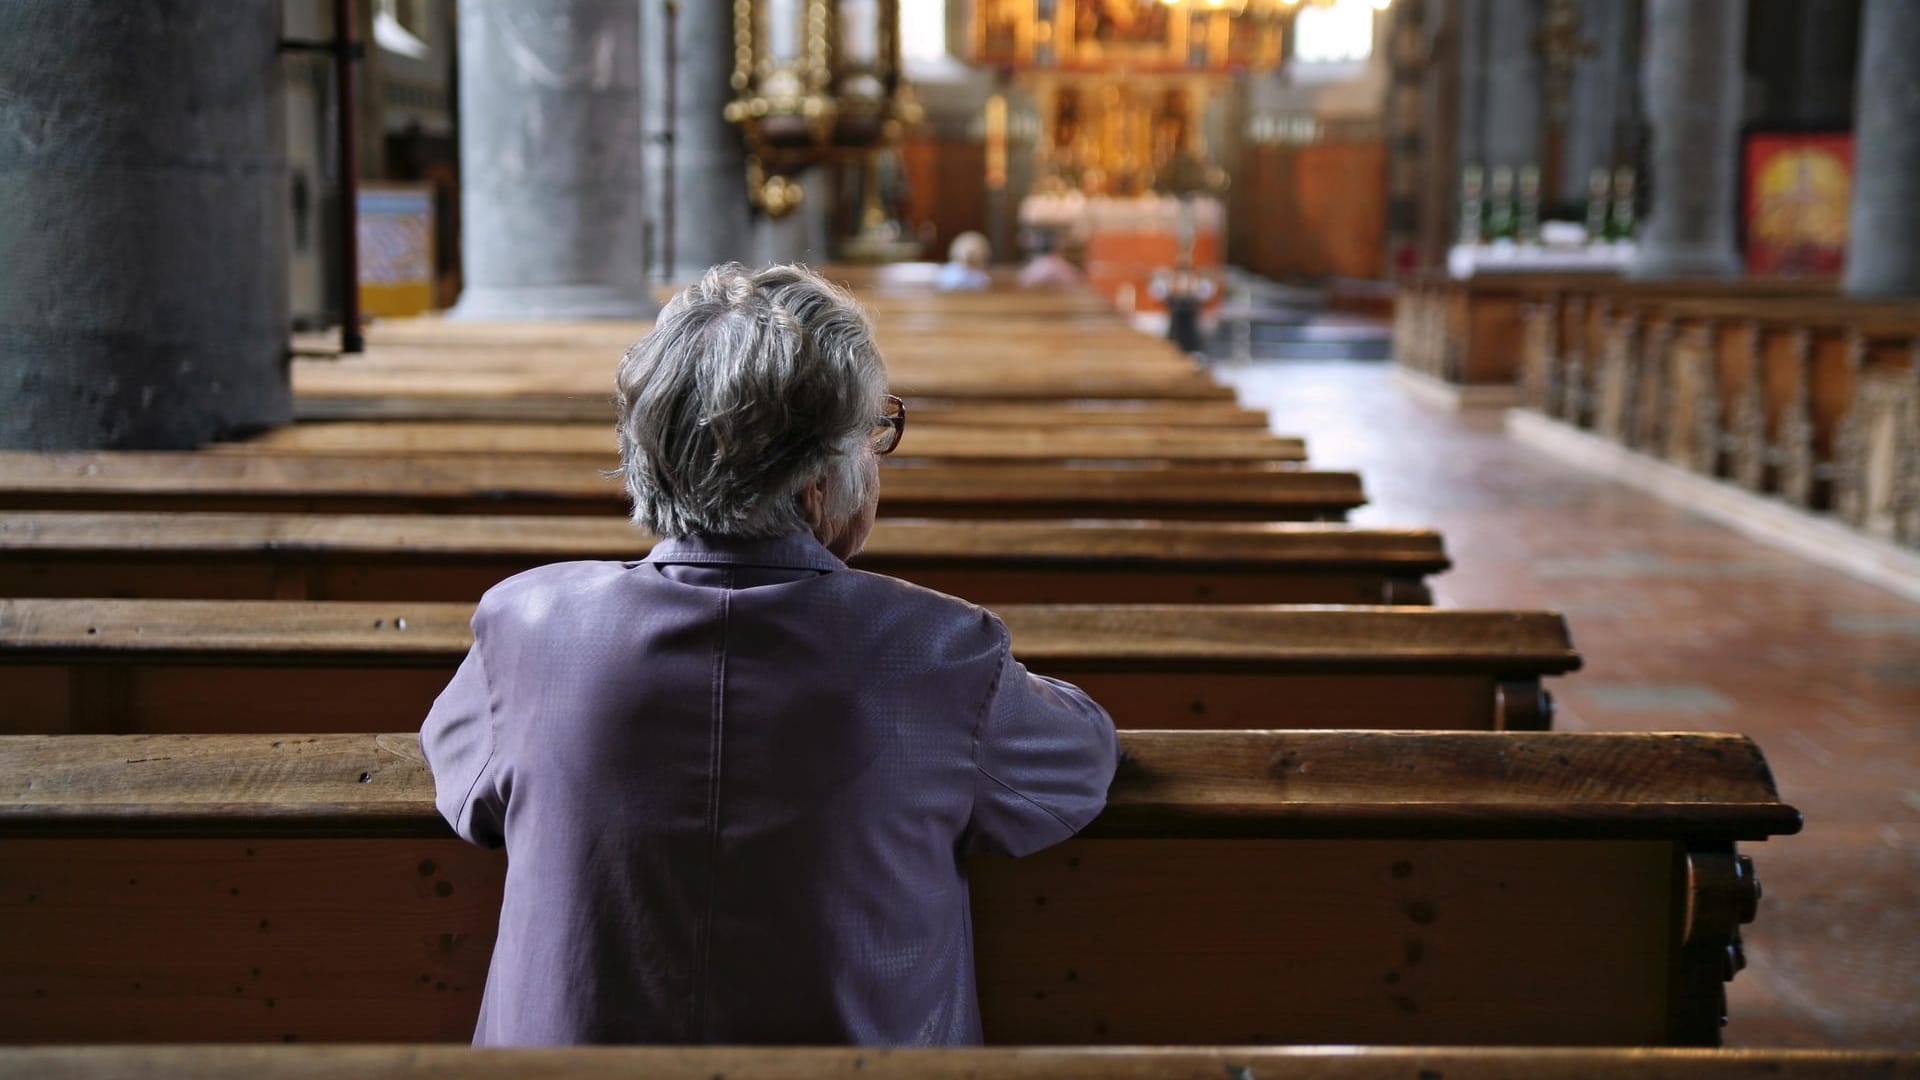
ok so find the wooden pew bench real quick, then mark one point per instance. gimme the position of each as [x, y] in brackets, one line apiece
[479, 484]
[597, 408]
[452, 558]
[437, 1062]
[245, 665]
[1023, 350]
[1532, 888]
[569, 372]
[926, 441]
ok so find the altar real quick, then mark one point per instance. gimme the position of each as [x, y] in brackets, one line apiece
[1124, 241]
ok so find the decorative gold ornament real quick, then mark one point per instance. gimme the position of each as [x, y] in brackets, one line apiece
[813, 81]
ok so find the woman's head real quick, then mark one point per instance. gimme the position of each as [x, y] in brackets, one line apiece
[748, 410]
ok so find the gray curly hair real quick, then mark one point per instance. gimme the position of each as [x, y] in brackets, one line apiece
[751, 384]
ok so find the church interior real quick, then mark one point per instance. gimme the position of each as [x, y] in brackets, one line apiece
[1470, 447]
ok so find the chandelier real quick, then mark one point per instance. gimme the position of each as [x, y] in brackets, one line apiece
[813, 81]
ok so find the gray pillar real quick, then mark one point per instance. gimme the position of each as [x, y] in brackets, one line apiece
[1693, 93]
[1515, 95]
[711, 220]
[550, 203]
[1883, 244]
[143, 218]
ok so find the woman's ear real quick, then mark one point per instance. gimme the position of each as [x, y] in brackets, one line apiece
[813, 503]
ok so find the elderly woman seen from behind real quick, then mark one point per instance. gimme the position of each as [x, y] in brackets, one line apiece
[736, 780]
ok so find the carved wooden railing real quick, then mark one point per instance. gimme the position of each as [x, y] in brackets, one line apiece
[1779, 387]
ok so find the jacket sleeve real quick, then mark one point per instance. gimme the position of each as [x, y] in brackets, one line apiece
[458, 741]
[1043, 758]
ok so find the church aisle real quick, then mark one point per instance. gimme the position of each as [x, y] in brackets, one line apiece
[1685, 625]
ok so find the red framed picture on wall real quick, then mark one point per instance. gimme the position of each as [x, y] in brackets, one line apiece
[1797, 188]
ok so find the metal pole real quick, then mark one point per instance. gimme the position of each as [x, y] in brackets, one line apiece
[346, 108]
[672, 60]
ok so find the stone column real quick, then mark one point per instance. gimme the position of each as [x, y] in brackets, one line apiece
[143, 222]
[1883, 245]
[550, 145]
[1693, 93]
[711, 221]
[1513, 122]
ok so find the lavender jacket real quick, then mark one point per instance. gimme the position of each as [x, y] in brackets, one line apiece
[735, 783]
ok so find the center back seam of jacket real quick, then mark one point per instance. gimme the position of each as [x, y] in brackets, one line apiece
[716, 732]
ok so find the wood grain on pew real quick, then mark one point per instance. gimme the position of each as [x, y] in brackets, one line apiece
[1200, 783]
[1025, 1063]
[472, 483]
[455, 558]
[450, 375]
[232, 665]
[597, 408]
[913, 346]
[1029, 355]
[615, 335]
[926, 441]
[1242, 887]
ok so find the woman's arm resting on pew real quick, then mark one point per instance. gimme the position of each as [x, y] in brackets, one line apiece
[458, 740]
[1043, 756]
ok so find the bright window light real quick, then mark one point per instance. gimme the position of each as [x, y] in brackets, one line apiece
[1338, 34]
[923, 31]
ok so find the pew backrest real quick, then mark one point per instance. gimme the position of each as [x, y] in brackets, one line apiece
[455, 558]
[1240, 887]
[214, 665]
[465, 483]
[419, 1062]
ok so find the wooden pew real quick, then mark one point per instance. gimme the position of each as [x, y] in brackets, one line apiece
[452, 372]
[928, 441]
[1543, 888]
[452, 558]
[232, 665]
[420, 1062]
[1040, 350]
[469, 483]
[597, 408]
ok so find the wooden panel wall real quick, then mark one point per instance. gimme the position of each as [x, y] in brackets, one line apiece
[947, 186]
[1314, 211]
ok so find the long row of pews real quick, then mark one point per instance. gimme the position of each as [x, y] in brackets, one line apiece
[1341, 817]
[1781, 387]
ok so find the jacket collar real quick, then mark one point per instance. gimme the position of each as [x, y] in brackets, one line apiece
[796, 550]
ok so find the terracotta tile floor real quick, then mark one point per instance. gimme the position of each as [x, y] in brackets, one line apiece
[1684, 626]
